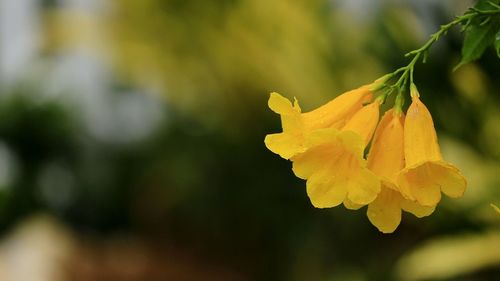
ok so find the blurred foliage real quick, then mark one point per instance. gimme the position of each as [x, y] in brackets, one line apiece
[451, 256]
[203, 180]
[480, 33]
[218, 59]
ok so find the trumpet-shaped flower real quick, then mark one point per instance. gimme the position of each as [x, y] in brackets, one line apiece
[297, 125]
[333, 162]
[386, 159]
[426, 174]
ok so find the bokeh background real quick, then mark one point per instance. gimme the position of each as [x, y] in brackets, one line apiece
[131, 141]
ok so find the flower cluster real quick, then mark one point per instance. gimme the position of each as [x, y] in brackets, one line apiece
[403, 170]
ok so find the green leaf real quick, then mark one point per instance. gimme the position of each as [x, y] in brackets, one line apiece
[484, 4]
[477, 38]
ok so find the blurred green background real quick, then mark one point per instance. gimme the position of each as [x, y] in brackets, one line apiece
[131, 141]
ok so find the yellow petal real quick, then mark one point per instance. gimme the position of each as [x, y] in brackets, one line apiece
[348, 204]
[335, 166]
[286, 145]
[323, 148]
[324, 191]
[329, 188]
[424, 182]
[453, 183]
[416, 209]
[297, 125]
[386, 157]
[290, 114]
[337, 109]
[364, 121]
[281, 105]
[291, 141]
[420, 139]
[385, 211]
[363, 186]
[314, 159]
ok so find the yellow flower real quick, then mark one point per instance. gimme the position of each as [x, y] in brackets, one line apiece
[426, 174]
[386, 159]
[296, 125]
[333, 162]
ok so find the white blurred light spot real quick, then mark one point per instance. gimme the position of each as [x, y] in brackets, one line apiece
[128, 117]
[120, 116]
[57, 185]
[19, 37]
[37, 250]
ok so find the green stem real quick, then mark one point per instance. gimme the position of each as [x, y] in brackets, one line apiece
[407, 71]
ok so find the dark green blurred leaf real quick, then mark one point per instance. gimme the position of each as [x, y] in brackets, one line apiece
[479, 34]
[477, 38]
[485, 4]
[497, 44]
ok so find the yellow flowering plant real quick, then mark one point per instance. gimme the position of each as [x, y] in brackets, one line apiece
[297, 125]
[333, 162]
[386, 160]
[348, 156]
